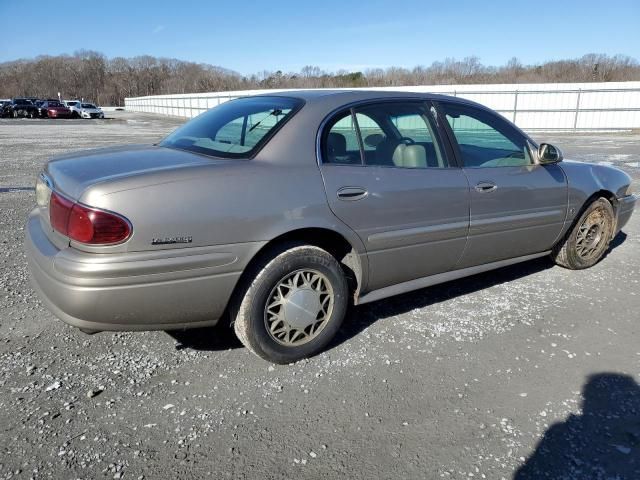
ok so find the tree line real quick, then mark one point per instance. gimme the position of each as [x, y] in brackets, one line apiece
[107, 81]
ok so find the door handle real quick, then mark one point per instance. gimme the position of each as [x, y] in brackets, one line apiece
[486, 187]
[352, 193]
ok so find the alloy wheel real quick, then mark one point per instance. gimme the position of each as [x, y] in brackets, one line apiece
[299, 307]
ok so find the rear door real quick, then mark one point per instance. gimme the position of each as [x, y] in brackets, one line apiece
[390, 178]
[518, 207]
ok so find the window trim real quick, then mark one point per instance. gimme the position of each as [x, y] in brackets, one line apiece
[453, 141]
[444, 143]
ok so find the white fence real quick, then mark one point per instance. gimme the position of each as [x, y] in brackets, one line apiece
[538, 106]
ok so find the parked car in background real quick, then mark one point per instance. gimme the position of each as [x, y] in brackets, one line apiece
[88, 110]
[38, 104]
[279, 210]
[20, 107]
[73, 106]
[53, 109]
[3, 104]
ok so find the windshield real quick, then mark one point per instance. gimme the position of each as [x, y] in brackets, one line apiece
[88, 105]
[72, 104]
[235, 129]
[22, 102]
[54, 104]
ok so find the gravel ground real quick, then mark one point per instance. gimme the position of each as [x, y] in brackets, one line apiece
[530, 371]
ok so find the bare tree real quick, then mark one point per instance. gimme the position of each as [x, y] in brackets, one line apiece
[90, 75]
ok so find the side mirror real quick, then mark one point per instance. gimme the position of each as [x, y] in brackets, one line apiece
[548, 153]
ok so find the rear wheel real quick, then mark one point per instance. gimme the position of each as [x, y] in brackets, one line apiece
[589, 239]
[293, 305]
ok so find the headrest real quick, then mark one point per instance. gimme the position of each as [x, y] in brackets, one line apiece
[336, 144]
[414, 156]
[410, 156]
[373, 140]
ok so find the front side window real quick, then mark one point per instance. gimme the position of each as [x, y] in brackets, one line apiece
[235, 129]
[484, 139]
[390, 134]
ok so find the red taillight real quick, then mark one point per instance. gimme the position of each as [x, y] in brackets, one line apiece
[59, 210]
[86, 225]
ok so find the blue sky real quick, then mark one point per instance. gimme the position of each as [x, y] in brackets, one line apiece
[251, 36]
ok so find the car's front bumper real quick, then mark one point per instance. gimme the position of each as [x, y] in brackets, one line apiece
[154, 290]
[625, 208]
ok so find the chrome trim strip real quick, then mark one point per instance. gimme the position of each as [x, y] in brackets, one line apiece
[416, 232]
[515, 218]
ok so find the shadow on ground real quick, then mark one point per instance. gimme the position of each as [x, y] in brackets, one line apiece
[359, 318]
[220, 337]
[603, 442]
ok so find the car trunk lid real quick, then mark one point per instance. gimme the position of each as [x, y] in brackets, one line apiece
[73, 173]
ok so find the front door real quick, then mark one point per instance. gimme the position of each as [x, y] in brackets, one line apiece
[388, 176]
[518, 207]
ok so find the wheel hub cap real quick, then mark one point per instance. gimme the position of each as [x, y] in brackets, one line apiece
[298, 307]
[301, 308]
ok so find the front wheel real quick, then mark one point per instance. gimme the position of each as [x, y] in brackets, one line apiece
[293, 306]
[589, 239]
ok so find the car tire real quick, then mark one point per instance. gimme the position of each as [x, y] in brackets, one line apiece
[273, 310]
[586, 243]
[33, 114]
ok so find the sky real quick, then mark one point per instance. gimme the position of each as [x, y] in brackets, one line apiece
[254, 36]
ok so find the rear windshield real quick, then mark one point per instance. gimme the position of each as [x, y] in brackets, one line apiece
[235, 129]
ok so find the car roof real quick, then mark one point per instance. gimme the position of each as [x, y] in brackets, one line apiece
[319, 97]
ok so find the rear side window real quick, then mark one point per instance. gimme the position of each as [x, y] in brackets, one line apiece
[236, 129]
[485, 140]
[390, 134]
[371, 131]
[341, 144]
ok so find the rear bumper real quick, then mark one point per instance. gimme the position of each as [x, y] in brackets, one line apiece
[625, 208]
[156, 290]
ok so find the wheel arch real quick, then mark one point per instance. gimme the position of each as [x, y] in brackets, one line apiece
[344, 251]
[602, 193]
